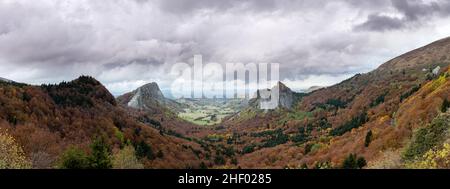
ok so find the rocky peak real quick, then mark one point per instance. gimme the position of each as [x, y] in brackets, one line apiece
[150, 98]
[286, 97]
[151, 90]
[146, 96]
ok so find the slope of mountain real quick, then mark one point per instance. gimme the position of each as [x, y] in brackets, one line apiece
[331, 123]
[47, 120]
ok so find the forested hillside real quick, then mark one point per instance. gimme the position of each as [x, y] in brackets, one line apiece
[393, 117]
[370, 118]
[78, 124]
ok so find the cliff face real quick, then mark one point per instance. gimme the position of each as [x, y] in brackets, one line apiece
[286, 97]
[149, 98]
[145, 96]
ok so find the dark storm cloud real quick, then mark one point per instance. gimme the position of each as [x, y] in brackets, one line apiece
[416, 9]
[411, 12]
[376, 22]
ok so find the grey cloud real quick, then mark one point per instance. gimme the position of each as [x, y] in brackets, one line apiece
[138, 40]
[36, 35]
[178, 7]
[251, 6]
[373, 4]
[148, 61]
[377, 22]
[413, 12]
[415, 9]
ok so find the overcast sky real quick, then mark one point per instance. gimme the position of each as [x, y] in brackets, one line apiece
[127, 43]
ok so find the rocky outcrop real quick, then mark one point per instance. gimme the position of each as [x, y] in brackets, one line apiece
[145, 96]
[264, 97]
[148, 97]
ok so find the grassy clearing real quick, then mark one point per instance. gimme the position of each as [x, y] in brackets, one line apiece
[206, 115]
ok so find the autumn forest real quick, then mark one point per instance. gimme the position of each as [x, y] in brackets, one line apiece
[395, 116]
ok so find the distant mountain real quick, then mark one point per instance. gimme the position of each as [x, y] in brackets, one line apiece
[287, 98]
[5, 80]
[148, 97]
[313, 88]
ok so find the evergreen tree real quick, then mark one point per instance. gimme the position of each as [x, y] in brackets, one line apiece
[308, 148]
[234, 161]
[349, 162]
[348, 126]
[203, 165]
[368, 138]
[445, 105]
[219, 160]
[100, 155]
[353, 162]
[361, 162]
[144, 150]
[160, 154]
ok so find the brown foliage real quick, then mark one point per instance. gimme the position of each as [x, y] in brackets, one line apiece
[46, 120]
